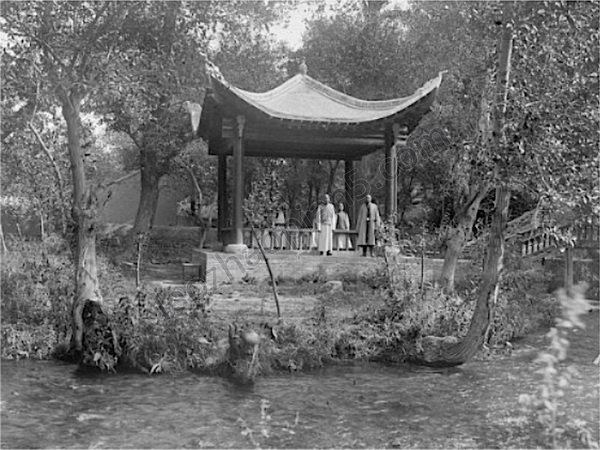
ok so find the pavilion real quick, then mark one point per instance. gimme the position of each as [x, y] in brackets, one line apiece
[303, 118]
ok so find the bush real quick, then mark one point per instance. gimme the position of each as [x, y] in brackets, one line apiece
[24, 341]
[158, 330]
[37, 285]
[413, 312]
[523, 304]
[298, 348]
[37, 293]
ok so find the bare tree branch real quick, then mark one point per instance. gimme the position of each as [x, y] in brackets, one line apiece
[57, 174]
[134, 139]
[28, 33]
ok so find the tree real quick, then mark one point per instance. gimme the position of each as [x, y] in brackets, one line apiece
[396, 52]
[163, 71]
[449, 153]
[33, 168]
[522, 130]
[488, 290]
[157, 70]
[195, 164]
[68, 44]
[519, 147]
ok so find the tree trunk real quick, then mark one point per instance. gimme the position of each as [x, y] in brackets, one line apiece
[457, 237]
[199, 220]
[149, 191]
[196, 186]
[438, 351]
[4, 248]
[42, 228]
[332, 172]
[84, 216]
[449, 355]
[307, 217]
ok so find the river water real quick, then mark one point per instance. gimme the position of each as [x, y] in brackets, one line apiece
[48, 404]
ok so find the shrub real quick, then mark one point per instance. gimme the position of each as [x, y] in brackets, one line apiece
[523, 304]
[163, 329]
[393, 330]
[37, 293]
[23, 341]
[413, 312]
[303, 346]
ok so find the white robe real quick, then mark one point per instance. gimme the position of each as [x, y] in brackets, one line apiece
[326, 238]
[325, 222]
[343, 223]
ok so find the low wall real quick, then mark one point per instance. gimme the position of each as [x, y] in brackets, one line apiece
[226, 267]
[166, 244]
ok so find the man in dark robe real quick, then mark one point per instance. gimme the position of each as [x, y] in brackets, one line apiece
[368, 222]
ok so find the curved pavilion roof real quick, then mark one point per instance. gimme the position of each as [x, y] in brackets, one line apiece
[305, 118]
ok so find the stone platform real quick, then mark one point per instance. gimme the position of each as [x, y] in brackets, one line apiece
[293, 265]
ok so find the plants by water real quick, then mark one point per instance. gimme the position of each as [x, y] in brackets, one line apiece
[545, 407]
[380, 315]
[37, 296]
[157, 330]
[37, 293]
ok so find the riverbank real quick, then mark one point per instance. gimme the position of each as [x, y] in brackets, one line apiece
[341, 326]
[357, 406]
[351, 318]
[354, 309]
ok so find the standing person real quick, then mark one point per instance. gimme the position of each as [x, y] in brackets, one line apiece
[368, 221]
[325, 220]
[278, 229]
[343, 223]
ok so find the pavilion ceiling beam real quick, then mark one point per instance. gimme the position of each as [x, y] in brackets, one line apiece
[290, 147]
[303, 155]
[276, 136]
[281, 128]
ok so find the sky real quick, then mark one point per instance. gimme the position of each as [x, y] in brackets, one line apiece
[291, 32]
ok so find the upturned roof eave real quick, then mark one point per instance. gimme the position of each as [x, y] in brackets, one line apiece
[383, 110]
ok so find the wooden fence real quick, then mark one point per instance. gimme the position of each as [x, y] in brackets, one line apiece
[279, 238]
[586, 236]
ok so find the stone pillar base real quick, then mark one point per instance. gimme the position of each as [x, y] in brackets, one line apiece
[235, 248]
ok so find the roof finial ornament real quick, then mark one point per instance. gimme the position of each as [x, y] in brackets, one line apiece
[303, 68]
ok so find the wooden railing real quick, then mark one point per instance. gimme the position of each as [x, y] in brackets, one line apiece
[586, 236]
[280, 238]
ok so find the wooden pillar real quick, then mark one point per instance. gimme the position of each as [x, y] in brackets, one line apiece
[237, 239]
[569, 268]
[389, 175]
[400, 136]
[350, 191]
[221, 193]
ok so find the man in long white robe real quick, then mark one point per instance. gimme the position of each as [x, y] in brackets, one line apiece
[325, 223]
